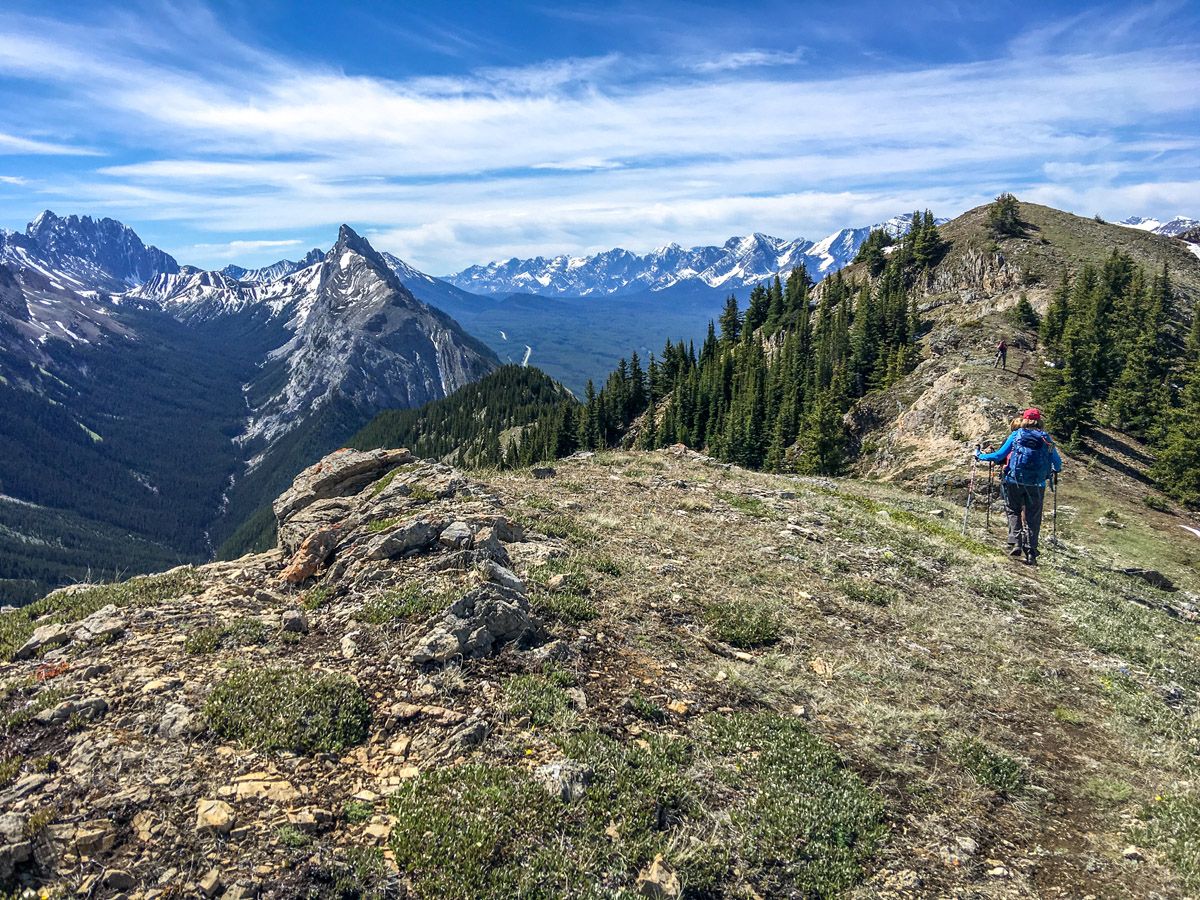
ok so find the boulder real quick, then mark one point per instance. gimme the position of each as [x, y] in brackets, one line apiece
[313, 518]
[311, 555]
[483, 620]
[43, 638]
[402, 539]
[103, 625]
[340, 474]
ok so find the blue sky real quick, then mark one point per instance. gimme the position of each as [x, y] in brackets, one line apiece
[459, 133]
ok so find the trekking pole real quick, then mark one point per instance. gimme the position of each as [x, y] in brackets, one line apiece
[987, 518]
[1054, 491]
[970, 490]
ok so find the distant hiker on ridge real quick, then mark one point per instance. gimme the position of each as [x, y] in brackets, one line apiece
[1001, 355]
[1029, 459]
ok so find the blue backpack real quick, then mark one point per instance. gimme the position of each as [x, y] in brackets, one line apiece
[1029, 461]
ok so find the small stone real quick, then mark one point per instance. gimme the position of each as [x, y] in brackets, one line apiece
[1133, 854]
[658, 881]
[176, 721]
[998, 872]
[567, 780]
[159, 685]
[349, 646]
[276, 791]
[310, 820]
[210, 884]
[967, 845]
[116, 880]
[295, 621]
[542, 472]
[95, 837]
[457, 536]
[679, 707]
[214, 817]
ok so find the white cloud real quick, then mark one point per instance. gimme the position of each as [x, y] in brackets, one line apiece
[589, 153]
[246, 246]
[728, 62]
[13, 179]
[11, 143]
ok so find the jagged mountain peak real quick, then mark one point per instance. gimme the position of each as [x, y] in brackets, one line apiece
[1171, 228]
[741, 261]
[86, 253]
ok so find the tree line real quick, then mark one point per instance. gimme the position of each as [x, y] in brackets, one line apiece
[769, 386]
[1113, 355]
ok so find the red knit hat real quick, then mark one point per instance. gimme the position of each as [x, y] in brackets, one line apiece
[1032, 413]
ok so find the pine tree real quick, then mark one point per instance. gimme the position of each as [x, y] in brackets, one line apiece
[1024, 314]
[1177, 467]
[1004, 216]
[822, 441]
[1055, 322]
[731, 321]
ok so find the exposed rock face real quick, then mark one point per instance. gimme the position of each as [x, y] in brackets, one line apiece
[487, 617]
[96, 253]
[340, 474]
[359, 334]
[124, 687]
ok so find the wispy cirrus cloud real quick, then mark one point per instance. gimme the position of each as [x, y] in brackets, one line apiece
[228, 248]
[747, 59]
[15, 144]
[590, 151]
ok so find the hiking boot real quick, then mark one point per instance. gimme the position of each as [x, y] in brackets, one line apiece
[1015, 550]
[1031, 559]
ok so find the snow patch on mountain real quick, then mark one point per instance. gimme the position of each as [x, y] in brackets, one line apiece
[1172, 228]
[739, 262]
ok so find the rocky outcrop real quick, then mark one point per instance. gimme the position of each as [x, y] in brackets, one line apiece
[389, 569]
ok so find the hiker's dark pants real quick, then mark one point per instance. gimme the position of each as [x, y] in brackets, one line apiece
[1001, 359]
[1023, 500]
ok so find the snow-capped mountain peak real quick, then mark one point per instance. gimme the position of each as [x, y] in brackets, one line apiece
[1172, 228]
[276, 270]
[741, 261]
[84, 253]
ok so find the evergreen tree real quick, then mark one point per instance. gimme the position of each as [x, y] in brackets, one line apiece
[1004, 216]
[1177, 467]
[731, 321]
[1055, 322]
[822, 441]
[1024, 314]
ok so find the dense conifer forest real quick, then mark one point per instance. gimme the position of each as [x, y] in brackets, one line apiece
[769, 386]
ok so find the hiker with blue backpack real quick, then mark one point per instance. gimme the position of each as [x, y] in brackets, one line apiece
[1030, 460]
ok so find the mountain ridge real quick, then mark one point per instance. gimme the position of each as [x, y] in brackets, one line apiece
[738, 263]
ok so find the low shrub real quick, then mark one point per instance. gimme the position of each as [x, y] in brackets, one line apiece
[289, 709]
[990, 767]
[743, 623]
